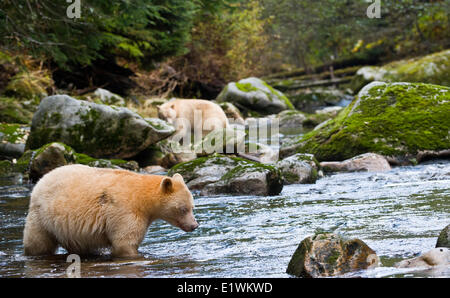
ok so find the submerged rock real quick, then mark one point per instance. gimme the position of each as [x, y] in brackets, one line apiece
[398, 120]
[325, 255]
[368, 162]
[433, 69]
[444, 238]
[299, 169]
[255, 95]
[435, 257]
[97, 130]
[219, 174]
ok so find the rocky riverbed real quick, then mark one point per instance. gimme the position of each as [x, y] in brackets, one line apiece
[398, 213]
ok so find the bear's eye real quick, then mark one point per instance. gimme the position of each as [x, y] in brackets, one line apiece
[183, 210]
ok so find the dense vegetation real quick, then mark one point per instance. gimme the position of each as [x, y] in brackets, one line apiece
[190, 45]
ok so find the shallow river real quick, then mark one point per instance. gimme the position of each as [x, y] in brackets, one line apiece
[398, 213]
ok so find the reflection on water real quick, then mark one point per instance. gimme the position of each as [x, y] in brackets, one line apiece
[398, 213]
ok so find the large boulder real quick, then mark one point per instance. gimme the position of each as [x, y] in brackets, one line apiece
[299, 169]
[219, 174]
[97, 130]
[435, 257]
[367, 162]
[444, 238]
[329, 254]
[433, 69]
[399, 120]
[255, 95]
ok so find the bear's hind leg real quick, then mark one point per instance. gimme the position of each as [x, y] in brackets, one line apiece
[36, 240]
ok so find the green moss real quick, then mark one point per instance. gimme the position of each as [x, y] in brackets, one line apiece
[333, 257]
[392, 120]
[246, 87]
[23, 163]
[30, 84]
[290, 177]
[13, 110]
[280, 95]
[6, 167]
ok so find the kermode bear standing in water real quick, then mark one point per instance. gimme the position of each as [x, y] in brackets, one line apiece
[181, 112]
[84, 209]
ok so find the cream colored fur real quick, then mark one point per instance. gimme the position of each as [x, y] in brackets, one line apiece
[175, 111]
[84, 209]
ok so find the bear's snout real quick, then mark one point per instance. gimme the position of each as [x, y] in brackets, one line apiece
[189, 228]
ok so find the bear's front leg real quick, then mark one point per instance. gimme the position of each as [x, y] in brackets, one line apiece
[127, 237]
[125, 251]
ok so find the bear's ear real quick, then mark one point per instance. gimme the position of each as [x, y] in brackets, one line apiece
[166, 185]
[178, 177]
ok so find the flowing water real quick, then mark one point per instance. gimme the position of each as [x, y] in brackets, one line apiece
[398, 213]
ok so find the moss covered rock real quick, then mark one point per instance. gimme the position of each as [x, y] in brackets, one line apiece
[433, 69]
[329, 254]
[219, 174]
[100, 131]
[397, 120]
[256, 95]
[37, 163]
[444, 238]
[299, 169]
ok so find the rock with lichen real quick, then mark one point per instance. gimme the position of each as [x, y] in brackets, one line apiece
[444, 238]
[255, 95]
[100, 131]
[327, 254]
[36, 163]
[432, 69]
[219, 174]
[400, 121]
[299, 169]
